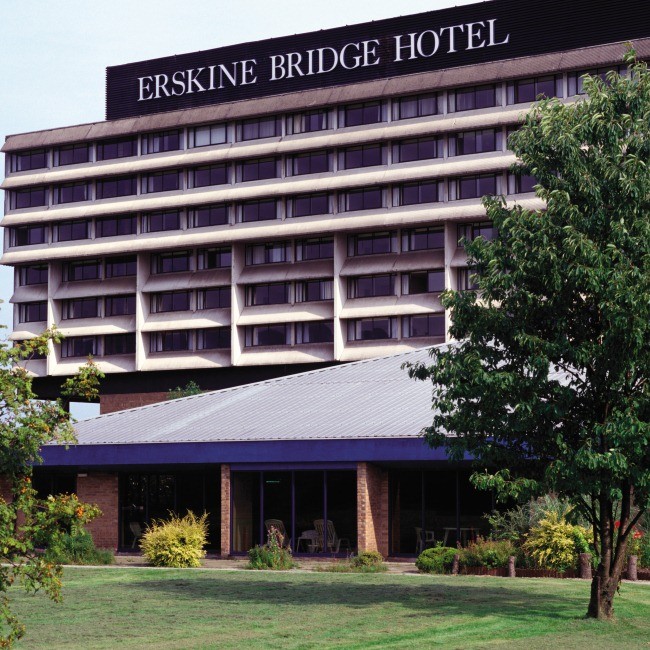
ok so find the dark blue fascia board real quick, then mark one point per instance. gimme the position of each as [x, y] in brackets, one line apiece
[243, 453]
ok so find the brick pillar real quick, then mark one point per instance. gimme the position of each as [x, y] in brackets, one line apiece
[100, 488]
[225, 510]
[372, 508]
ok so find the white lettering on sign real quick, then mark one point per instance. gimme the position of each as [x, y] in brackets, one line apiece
[324, 60]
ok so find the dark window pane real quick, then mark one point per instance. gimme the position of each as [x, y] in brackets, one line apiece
[114, 226]
[423, 239]
[25, 160]
[28, 198]
[162, 141]
[119, 344]
[121, 266]
[357, 114]
[161, 221]
[120, 305]
[216, 298]
[79, 346]
[310, 163]
[33, 274]
[267, 335]
[28, 235]
[314, 249]
[209, 215]
[71, 193]
[119, 186]
[33, 312]
[171, 262]
[259, 211]
[117, 148]
[81, 308]
[213, 338]
[86, 270]
[316, 332]
[214, 258]
[310, 204]
[72, 154]
[210, 175]
[426, 325]
[72, 230]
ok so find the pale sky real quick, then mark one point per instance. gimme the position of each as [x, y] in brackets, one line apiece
[55, 52]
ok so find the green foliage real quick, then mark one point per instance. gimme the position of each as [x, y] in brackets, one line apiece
[191, 388]
[176, 542]
[555, 544]
[550, 380]
[488, 553]
[436, 560]
[272, 555]
[368, 562]
[85, 384]
[26, 522]
[78, 548]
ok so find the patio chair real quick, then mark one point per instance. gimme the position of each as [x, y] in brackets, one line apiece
[278, 524]
[423, 539]
[334, 542]
[137, 531]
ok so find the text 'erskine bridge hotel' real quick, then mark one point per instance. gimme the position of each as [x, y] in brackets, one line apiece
[286, 205]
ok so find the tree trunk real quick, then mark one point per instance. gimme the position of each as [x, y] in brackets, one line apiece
[603, 590]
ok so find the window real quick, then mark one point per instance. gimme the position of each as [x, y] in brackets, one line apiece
[28, 235]
[117, 148]
[519, 184]
[264, 210]
[467, 99]
[470, 231]
[119, 267]
[309, 204]
[71, 193]
[367, 155]
[275, 293]
[33, 312]
[213, 338]
[161, 181]
[33, 355]
[174, 341]
[257, 169]
[161, 141]
[119, 344]
[115, 226]
[82, 270]
[79, 346]
[260, 335]
[170, 301]
[308, 122]
[204, 136]
[81, 308]
[372, 329]
[425, 325]
[119, 305]
[461, 144]
[321, 248]
[474, 187]
[71, 154]
[315, 332]
[423, 282]
[208, 215]
[363, 199]
[314, 290]
[209, 175]
[171, 262]
[30, 197]
[215, 298]
[421, 239]
[71, 230]
[368, 286]
[530, 90]
[372, 243]
[109, 188]
[314, 162]
[161, 221]
[214, 258]
[269, 253]
[425, 192]
[467, 280]
[23, 161]
[575, 80]
[418, 149]
[416, 106]
[358, 114]
[32, 274]
[260, 127]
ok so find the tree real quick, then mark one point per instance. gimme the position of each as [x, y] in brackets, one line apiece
[547, 387]
[191, 388]
[27, 522]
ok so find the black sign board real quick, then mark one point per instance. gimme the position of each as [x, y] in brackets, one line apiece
[459, 36]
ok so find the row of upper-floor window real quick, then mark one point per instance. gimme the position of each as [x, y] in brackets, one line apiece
[364, 198]
[273, 167]
[349, 115]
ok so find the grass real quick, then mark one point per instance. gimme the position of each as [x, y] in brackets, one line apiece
[149, 608]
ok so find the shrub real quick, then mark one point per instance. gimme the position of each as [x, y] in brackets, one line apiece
[368, 562]
[555, 544]
[487, 553]
[271, 555]
[436, 560]
[643, 553]
[77, 548]
[177, 542]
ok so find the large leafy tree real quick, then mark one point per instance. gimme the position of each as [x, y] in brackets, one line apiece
[547, 387]
[27, 522]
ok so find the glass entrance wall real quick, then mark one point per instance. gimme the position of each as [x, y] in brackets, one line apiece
[317, 509]
[145, 496]
[434, 506]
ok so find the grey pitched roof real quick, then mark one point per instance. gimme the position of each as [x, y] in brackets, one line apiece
[365, 399]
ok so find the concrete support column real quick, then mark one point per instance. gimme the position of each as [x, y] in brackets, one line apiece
[372, 508]
[225, 510]
[101, 489]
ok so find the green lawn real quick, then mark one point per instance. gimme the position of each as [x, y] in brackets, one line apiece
[148, 608]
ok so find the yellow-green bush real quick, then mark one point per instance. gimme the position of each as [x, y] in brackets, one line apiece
[555, 544]
[177, 542]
